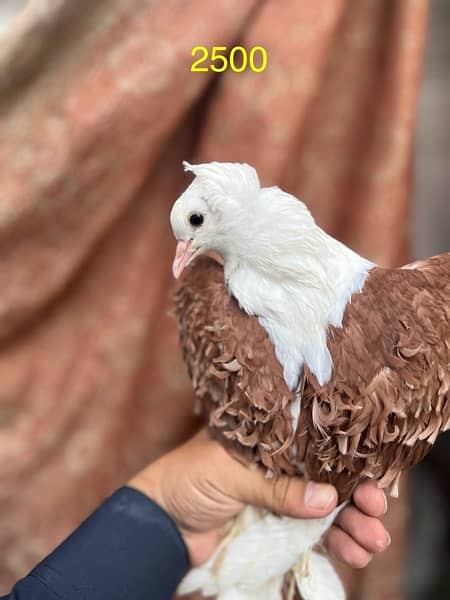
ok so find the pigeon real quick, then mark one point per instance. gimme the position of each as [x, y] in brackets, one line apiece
[306, 359]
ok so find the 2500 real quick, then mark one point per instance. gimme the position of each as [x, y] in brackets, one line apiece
[221, 58]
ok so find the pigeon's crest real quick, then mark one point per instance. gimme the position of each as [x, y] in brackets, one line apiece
[230, 181]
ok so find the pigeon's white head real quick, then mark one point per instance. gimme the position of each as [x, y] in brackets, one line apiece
[278, 263]
[213, 213]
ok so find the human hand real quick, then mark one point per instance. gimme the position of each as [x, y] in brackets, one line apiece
[202, 487]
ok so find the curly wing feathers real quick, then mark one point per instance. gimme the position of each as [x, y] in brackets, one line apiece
[384, 406]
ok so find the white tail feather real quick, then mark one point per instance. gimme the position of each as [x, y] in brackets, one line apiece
[253, 559]
[321, 581]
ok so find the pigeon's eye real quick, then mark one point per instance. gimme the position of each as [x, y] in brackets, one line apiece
[196, 219]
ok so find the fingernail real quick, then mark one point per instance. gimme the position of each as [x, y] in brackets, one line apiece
[319, 495]
[385, 504]
[382, 544]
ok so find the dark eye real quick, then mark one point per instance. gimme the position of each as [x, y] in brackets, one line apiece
[196, 219]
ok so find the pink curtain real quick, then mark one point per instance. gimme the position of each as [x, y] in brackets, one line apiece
[98, 107]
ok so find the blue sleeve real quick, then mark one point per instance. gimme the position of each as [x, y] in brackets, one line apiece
[128, 549]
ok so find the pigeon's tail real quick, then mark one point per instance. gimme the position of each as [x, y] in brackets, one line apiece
[259, 551]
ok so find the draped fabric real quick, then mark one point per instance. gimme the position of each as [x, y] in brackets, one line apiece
[98, 107]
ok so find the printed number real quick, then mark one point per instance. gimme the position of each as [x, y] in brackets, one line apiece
[244, 59]
[203, 57]
[223, 62]
[256, 59]
[263, 59]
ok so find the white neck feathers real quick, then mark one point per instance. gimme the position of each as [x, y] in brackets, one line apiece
[297, 285]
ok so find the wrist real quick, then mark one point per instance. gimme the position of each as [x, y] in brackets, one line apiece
[148, 482]
[199, 545]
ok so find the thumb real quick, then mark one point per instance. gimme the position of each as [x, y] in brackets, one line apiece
[288, 496]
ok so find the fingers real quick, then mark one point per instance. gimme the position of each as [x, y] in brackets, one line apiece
[370, 499]
[368, 532]
[357, 533]
[356, 536]
[289, 496]
[345, 549]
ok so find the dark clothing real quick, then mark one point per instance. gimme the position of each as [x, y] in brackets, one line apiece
[128, 549]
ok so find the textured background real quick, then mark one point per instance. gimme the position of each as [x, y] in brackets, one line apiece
[97, 110]
[429, 542]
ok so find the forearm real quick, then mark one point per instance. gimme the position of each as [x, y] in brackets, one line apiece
[128, 548]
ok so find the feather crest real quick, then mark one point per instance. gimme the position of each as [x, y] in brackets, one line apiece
[230, 181]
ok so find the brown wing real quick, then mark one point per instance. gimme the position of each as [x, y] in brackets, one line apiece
[380, 412]
[236, 376]
[389, 397]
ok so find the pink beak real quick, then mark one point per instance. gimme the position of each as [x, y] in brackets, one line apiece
[183, 256]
